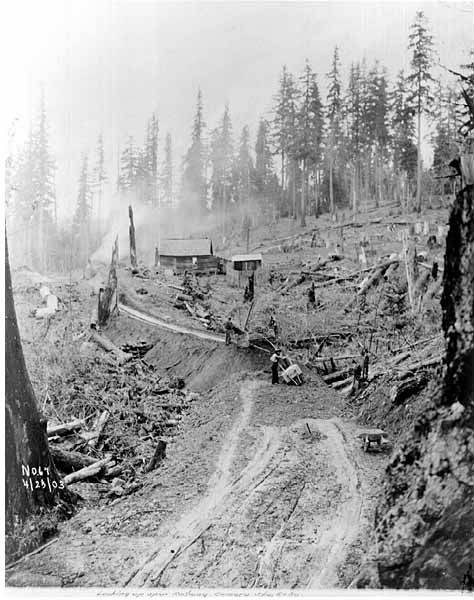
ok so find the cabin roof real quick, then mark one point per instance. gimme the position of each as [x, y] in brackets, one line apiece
[246, 257]
[186, 247]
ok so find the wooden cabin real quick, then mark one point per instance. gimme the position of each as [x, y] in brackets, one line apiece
[241, 266]
[179, 255]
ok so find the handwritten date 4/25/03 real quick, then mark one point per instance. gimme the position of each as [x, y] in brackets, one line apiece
[37, 478]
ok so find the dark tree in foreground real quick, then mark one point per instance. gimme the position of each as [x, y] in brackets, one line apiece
[26, 442]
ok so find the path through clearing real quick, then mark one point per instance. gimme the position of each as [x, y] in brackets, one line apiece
[265, 487]
[285, 520]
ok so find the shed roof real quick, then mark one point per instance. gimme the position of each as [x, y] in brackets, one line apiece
[246, 257]
[188, 247]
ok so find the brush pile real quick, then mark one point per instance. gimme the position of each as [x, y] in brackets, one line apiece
[118, 424]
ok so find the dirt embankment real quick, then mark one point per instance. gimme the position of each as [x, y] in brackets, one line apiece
[424, 534]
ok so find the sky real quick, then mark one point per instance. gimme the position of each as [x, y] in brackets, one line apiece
[106, 66]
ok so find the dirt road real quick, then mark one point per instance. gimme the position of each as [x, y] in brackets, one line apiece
[285, 520]
[272, 494]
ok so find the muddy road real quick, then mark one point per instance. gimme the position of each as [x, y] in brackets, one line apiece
[286, 519]
[264, 487]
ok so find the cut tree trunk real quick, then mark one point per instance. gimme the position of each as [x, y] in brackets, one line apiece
[131, 235]
[26, 442]
[108, 296]
[65, 428]
[68, 461]
[90, 471]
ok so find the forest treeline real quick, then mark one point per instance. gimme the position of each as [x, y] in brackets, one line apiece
[359, 145]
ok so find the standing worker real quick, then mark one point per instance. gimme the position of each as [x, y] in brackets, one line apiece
[275, 360]
[365, 365]
[311, 295]
[228, 330]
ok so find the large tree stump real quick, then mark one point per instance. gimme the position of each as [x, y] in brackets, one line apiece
[131, 235]
[108, 296]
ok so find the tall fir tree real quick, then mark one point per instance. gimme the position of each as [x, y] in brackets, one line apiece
[222, 153]
[194, 185]
[420, 81]
[353, 126]
[334, 112]
[150, 162]
[99, 178]
[284, 133]
[167, 172]
[244, 169]
[82, 215]
[309, 135]
[264, 176]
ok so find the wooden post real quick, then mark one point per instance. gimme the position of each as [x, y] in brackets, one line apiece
[131, 234]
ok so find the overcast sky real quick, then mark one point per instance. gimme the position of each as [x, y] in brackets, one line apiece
[106, 66]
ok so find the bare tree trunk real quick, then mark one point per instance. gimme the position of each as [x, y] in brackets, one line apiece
[108, 297]
[331, 183]
[131, 235]
[418, 166]
[303, 196]
[293, 191]
[26, 442]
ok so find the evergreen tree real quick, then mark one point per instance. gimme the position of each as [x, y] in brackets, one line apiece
[403, 147]
[35, 197]
[222, 151]
[244, 171]
[194, 186]
[284, 132]
[167, 172]
[264, 176]
[309, 132]
[149, 166]
[129, 166]
[334, 138]
[99, 177]
[420, 81]
[353, 125]
[82, 215]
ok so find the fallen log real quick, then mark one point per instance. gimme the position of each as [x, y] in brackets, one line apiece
[342, 357]
[184, 298]
[109, 346]
[98, 429]
[400, 392]
[65, 428]
[93, 470]
[372, 280]
[333, 377]
[343, 383]
[68, 461]
[420, 365]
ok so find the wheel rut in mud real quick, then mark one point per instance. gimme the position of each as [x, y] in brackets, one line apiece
[285, 520]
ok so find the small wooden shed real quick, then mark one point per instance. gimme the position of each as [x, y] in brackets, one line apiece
[241, 266]
[179, 255]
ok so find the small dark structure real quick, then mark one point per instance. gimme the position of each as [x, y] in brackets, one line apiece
[181, 255]
[242, 266]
